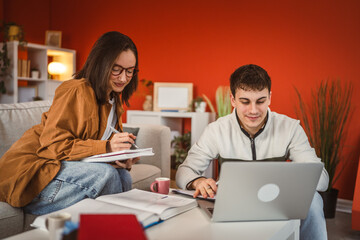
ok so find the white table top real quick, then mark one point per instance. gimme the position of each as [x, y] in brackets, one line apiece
[195, 224]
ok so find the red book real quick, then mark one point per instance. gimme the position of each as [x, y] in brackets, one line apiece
[22, 83]
[110, 226]
[22, 53]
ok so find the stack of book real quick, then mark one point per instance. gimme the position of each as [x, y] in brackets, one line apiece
[23, 68]
[23, 63]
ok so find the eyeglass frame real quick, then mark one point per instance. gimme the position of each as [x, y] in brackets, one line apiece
[126, 69]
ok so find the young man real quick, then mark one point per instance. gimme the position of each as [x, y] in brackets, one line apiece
[253, 133]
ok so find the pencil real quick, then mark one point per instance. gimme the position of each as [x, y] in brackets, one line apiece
[116, 131]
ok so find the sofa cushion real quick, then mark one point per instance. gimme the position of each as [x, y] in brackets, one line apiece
[143, 175]
[11, 220]
[15, 119]
[159, 138]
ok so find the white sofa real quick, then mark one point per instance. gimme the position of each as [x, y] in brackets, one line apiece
[15, 119]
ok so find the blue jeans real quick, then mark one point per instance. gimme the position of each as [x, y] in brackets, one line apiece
[76, 181]
[313, 227]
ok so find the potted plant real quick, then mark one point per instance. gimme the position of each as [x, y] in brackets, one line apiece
[324, 120]
[4, 67]
[11, 32]
[181, 145]
[198, 104]
[223, 102]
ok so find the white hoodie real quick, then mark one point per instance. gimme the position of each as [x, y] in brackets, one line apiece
[281, 138]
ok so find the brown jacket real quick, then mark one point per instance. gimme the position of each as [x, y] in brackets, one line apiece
[68, 131]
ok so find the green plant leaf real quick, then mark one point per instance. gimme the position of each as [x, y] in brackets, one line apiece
[324, 121]
[181, 145]
[223, 101]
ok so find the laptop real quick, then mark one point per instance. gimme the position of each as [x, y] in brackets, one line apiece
[263, 191]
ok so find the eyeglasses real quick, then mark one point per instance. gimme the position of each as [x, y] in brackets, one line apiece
[129, 72]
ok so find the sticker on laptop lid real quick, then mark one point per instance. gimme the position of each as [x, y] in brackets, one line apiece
[268, 192]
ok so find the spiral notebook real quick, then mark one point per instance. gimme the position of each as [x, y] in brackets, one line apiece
[120, 155]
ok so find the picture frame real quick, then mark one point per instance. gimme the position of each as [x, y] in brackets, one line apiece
[172, 97]
[53, 38]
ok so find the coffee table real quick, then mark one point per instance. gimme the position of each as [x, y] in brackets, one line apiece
[196, 224]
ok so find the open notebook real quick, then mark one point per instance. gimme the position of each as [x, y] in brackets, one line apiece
[148, 207]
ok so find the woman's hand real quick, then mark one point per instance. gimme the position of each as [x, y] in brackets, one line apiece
[120, 141]
[127, 164]
[205, 186]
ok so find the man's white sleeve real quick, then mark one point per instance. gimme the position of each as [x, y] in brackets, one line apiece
[198, 159]
[301, 151]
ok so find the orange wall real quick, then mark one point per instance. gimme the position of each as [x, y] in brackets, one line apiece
[355, 213]
[298, 42]
[1, 9]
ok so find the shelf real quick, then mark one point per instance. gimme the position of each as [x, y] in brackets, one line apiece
[32, 79]
[173, 114]
[37, 56]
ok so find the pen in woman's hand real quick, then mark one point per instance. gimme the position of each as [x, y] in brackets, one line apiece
[116, 131]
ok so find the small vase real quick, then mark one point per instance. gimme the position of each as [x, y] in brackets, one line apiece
[200, 107]
[35, 74]
[148, 104]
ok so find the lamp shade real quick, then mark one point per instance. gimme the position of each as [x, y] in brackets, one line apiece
[56, 68]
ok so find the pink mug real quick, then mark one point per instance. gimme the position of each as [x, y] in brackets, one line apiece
[162, 185]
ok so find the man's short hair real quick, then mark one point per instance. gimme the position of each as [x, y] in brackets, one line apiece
[250, 77]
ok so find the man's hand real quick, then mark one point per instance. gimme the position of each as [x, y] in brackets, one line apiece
[205, 186]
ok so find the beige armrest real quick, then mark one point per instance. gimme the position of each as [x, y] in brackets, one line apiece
[159, 138]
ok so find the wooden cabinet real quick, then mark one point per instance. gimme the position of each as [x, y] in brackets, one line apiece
[23, 89]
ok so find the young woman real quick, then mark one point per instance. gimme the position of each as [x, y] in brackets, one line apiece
[41, 171]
